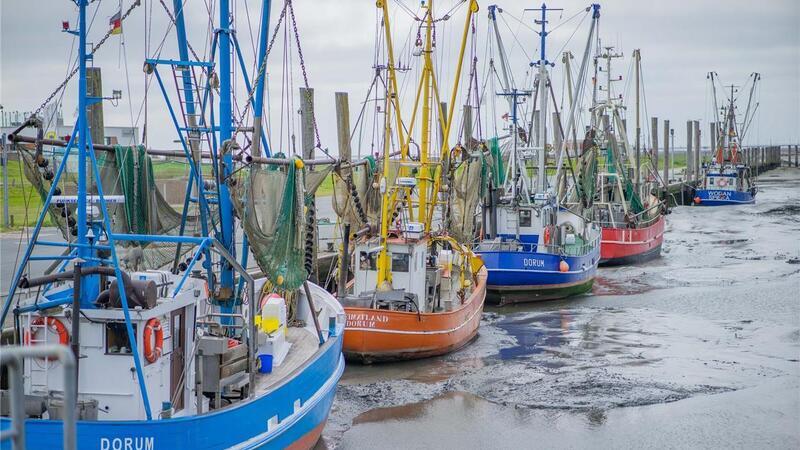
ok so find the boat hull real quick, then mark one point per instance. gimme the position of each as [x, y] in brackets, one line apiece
[718, 197]
[522, 277]
[373, 335]
[621, 246]
[243, 425]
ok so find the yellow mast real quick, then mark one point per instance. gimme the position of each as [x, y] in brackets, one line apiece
[473, 8]
[423, 175]
[428, 90]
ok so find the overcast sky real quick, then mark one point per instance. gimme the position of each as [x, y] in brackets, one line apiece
[680, 42]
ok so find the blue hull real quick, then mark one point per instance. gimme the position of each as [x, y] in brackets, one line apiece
[518, 276]
[714, 197]
[243, 425]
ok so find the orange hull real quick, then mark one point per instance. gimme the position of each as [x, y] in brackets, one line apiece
[373, 335]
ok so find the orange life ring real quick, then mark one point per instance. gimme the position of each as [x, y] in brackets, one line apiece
[153, 351]
[55, 326]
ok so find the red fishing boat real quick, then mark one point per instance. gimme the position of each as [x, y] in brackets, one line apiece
[630, 245]
[631, 217]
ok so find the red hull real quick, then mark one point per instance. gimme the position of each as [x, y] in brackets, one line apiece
[631, 245]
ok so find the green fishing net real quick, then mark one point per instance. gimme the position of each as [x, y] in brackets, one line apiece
[271, 202]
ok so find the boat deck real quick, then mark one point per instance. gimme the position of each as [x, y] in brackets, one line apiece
[304, 345]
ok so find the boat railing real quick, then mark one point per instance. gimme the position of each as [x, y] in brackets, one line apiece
[12, 358]
[532, 247]
[641, 219]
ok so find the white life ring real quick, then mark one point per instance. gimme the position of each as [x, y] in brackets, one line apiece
[723, 182]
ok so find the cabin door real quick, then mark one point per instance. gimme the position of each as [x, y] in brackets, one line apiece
[177, 378]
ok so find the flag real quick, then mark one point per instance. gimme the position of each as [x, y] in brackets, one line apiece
[116, 23]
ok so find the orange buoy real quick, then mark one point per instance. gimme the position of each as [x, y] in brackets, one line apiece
[54, 325]
[697, 200]
[563, 266]
[153, 350]
[547, 235]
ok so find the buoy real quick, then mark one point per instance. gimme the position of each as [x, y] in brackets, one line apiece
[55, 326]
[563, 266]
[280, 280]
[153, 351]
[697, 200]
[298, 163]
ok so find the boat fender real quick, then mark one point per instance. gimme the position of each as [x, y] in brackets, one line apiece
[697, 200]
[563, 266]
[153, 350]
[55, 325]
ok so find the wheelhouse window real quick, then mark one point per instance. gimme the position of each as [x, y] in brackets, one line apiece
[117, 342]
[400, 262]
[368, 261]
[525, 217]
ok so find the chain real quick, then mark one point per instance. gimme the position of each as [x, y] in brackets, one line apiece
[75, 70]
[303, 68]
[172, 19]
[260, 73]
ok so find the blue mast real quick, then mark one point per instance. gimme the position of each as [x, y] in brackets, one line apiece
[543, 35]
[225, 234]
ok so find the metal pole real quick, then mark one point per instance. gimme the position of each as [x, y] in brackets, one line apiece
[313, 312]
[261, 80]
[4, 156]
[344, 265]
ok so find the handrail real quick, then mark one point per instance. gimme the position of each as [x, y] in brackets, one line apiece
[12, 357]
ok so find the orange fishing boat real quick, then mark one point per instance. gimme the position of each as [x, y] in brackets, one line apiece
[382, 328]
[415, 292]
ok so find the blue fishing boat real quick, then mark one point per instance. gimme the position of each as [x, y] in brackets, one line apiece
[534, 247]
[176, 342]
[727, 180]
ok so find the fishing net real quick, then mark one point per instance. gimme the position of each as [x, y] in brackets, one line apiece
[467, 186]
[356, 199]
[127, 171]
[271, 203]
[497, 167]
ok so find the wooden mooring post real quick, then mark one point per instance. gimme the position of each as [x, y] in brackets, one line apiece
[689, 158]
[666, 158]
[697, 151]
[654, 142]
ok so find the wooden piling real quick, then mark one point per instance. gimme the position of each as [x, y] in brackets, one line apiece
[343, 126]
[307, 122]
[713, 139]
[666, 156]
[697, 151]
[94, 88]
[467, 134]
[654, 142]
[689, 158]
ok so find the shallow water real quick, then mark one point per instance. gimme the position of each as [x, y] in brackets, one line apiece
[700, 348]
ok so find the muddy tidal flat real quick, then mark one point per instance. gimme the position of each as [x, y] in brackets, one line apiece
[697, 349]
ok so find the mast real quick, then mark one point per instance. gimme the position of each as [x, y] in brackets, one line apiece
[506, 82]
[543, 81]
[637, 58]
[225, 234]
[423, 176]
